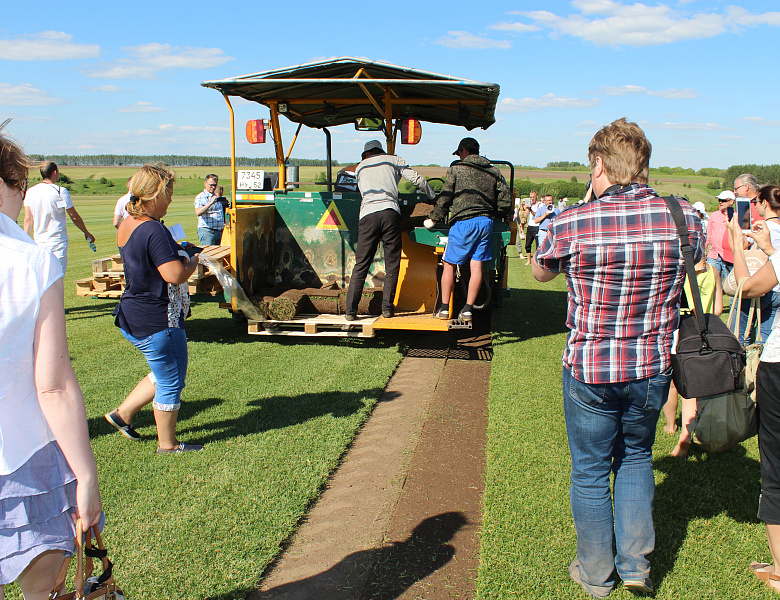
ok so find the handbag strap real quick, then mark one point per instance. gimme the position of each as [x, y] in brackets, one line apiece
[101, 553]
[755, 308]
[79, 581]
[687, 252]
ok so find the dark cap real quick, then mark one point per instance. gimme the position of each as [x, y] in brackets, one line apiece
[469, 144]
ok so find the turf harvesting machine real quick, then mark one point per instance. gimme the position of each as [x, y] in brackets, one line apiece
[292, 251]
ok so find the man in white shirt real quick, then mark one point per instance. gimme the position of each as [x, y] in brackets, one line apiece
[120, 211]
[45, 207]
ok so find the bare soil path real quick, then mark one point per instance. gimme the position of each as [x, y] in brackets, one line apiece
[401, 516]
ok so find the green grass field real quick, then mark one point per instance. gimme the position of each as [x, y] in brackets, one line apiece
[705, 508]
[277, 415]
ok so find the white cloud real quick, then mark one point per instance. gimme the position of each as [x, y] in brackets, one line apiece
[689, 126]
[167, 127]
[146, 60]
[28, 119]
[47, 45]
[613, 23]
[463, 39]
[546, 101]
[738, 16]
[604, 22]
[681, 94]
[105, 88]
[141, 107]
[25, 95]
[624, 90]
[515, 27]
[761, 120]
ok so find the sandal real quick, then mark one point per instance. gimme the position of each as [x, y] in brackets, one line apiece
[764, 571]
[182, 447]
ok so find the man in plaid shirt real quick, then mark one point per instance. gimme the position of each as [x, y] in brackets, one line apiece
[624, 272]
[210, 210]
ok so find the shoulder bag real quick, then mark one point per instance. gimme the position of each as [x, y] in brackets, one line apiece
[709, 358]
[725, 420]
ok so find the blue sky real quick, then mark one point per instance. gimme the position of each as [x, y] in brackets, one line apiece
[124, 78]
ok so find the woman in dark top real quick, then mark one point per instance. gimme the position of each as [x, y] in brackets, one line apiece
[153, 307]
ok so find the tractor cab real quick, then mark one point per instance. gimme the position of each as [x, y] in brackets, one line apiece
[299, 245]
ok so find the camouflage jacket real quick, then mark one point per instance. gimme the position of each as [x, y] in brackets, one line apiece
[472, 188]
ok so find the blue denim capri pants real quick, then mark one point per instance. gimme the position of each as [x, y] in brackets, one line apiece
[166, 353]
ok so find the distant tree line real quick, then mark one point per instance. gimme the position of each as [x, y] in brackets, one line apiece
[173, 160]
[564, 165]
[766, 174]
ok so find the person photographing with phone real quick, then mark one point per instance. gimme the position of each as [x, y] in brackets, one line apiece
[210, 207]
[716, 229]
[746, 190]
[548, 214]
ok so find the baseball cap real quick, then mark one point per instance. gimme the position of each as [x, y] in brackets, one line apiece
[727, 195]
[373, 145]
[469, 144]
[700, 207]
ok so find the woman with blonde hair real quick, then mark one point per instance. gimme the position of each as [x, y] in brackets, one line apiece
[48, 475]
[153, 307]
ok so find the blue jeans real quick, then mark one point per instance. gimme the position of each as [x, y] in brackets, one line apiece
[208, 236]
[721, 266]
[611, 430]
[769, 303]
[166, 353]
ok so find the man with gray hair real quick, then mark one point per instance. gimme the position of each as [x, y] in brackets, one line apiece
[746, 186]
[380, 220]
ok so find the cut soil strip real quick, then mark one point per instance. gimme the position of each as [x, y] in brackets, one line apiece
[401, 516]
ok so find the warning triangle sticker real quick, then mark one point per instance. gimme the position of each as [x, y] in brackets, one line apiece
[331, 219]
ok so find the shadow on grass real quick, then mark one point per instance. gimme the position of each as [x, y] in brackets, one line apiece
[277, 412]
[266, 414]
[90, 311]
[381, 573]
[703, 487]
[98, 426]
[529, 314]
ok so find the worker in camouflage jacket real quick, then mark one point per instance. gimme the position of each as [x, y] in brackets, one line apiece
[474, 195]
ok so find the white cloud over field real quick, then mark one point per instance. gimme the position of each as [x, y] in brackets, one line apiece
[25, 94]
[624, 90]
[147, 60]
[611, 23]
[545, 101]
[139, 107]
[465, 40]
[46, 45]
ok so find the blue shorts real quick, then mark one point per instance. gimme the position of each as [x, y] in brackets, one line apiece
[469, 240]
[166, 353]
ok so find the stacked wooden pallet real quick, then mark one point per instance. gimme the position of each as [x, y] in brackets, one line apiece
[108, 276]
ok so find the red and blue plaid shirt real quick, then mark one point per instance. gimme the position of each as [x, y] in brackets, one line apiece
[624, 273]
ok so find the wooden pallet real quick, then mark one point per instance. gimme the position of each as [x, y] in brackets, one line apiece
[100, 287]
[108, 276]
[316, 326]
